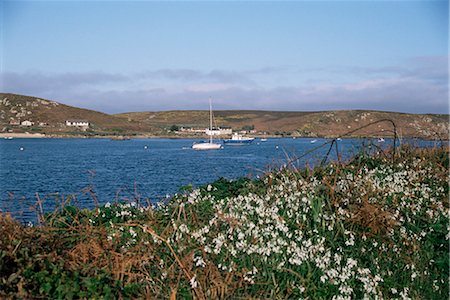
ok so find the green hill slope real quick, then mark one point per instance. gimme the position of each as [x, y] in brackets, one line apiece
[325, 123]
[50, 116]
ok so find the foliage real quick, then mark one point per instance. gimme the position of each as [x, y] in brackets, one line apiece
[371, 228]
[248, 127]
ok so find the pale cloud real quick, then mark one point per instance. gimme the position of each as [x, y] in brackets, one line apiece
[208, 87]
[423, 67]
[36, 79]
[374, 84]
[419, 86]
[189, 75]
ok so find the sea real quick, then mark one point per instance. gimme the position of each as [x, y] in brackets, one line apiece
[97, 171]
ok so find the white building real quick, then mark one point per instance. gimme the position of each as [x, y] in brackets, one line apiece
[77, 123]
[27, 123]
[219, 131]
[183, 129]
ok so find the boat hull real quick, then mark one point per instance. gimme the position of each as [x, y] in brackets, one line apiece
[238, 142]
[206, 146]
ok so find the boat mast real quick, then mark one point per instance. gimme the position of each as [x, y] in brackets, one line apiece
[210, 121]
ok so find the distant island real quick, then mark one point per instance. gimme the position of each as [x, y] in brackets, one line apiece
[27, 116]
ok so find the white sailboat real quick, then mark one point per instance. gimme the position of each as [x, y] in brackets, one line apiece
[208, 145]
[264, 139]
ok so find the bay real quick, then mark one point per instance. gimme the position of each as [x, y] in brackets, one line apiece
[102, 170]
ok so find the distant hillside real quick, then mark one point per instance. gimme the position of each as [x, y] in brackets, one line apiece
[328, 123]
[50, 116]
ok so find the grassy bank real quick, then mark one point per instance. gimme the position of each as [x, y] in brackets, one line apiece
[368, 229]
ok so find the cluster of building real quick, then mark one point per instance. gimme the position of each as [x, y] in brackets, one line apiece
[216, 131]
[84, 124]
[219, 131]
[70, 122]
[27, 123]
[213, 131]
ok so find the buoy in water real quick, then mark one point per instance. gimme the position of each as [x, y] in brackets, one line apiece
[21, 148]
[145, 147]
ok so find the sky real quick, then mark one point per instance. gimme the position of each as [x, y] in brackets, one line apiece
[122, 56]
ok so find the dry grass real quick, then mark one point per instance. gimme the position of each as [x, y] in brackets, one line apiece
[372, 218]
[139, 255]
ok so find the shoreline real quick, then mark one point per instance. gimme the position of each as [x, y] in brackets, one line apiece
[23, 135]
[44, 136]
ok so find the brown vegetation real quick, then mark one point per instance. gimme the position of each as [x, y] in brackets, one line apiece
[308, 124]
[313, 124]
[54, 114]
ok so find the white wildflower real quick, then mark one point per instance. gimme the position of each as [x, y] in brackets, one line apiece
[404, 294]
[199, 262]
[193, 282]
[351, 241]
[183, 228]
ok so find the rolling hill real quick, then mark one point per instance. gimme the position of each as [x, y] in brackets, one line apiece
[49, 117]
[52, 115]
[325, 123]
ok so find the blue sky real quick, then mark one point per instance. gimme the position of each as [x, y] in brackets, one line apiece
[118, 56]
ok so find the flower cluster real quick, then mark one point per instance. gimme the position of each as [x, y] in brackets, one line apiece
[348, 246]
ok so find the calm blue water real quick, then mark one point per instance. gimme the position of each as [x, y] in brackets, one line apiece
[119, 170]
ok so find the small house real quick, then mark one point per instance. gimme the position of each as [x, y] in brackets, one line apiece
[27, 123]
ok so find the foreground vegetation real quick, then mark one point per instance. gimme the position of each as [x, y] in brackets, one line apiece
[371, 228]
